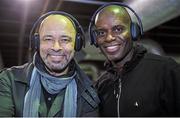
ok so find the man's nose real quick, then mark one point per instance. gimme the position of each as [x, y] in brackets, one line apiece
[109, 37]
[57, 46]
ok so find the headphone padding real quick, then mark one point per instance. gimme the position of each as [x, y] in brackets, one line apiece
[135, 31]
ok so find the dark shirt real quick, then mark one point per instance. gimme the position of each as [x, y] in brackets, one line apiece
[150, 86]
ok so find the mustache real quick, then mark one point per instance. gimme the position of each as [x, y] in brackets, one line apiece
[56, 53]
[59, 53]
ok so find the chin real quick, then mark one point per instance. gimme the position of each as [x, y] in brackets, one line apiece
[55, 66]
[114, 58]
[58, 67]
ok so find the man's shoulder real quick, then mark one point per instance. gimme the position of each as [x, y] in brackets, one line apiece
[159, 58]
[13, 72]
[154, 59]
[14, 68]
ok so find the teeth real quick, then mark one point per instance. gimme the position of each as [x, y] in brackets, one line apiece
[111, 47]
[55, 56]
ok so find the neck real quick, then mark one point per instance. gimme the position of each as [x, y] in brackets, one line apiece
[58, 73]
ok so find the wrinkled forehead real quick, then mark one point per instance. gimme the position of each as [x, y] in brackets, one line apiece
[58, 19]
[113, 11]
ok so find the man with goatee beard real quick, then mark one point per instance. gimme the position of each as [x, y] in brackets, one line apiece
[52, 85]
[135, 83]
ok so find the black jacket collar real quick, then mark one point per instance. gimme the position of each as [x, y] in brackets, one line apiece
[139, 52]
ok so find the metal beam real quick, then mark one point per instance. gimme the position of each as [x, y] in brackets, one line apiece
[88, 2]
[155, 12]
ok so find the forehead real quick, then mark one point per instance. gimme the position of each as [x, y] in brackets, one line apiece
[57, 22]
[112, 14]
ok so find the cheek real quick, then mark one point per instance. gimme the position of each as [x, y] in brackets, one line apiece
[69, 48]
[69, 53]
[43, 48]
[43, 53]
[44, 45]
[73, 43]
[126, 35]
[73, 35]
[99, 42]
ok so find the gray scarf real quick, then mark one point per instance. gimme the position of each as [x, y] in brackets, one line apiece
[53, 85]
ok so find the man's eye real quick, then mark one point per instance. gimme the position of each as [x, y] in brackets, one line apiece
[47, 39]
[66, 39]
[117, 29]
[100, 33]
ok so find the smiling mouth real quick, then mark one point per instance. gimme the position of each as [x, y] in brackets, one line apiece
[56, 57]
[112, 48]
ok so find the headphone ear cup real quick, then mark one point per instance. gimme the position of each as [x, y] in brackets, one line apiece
[91, 33]
[36, 41]
[135, 31]
[93, 38]
[78, 42]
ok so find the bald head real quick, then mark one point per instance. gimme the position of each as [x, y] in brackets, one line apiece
[57, 23]
[114, 10]
[58, 19]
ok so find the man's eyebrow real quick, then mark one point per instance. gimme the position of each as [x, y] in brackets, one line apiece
[47, 35]
[66, 36]
[118, 25]
[100, 28]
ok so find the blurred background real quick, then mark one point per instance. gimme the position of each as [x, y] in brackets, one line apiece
[160, 20]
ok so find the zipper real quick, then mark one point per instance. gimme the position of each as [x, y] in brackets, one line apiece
[118, 97]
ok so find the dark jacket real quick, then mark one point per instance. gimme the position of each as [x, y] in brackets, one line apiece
[149, 85]
[14, 83]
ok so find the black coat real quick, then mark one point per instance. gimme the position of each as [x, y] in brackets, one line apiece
[148, 86]
[14, 83]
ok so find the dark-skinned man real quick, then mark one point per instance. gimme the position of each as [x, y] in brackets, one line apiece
[52, 85]
[135, 83]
